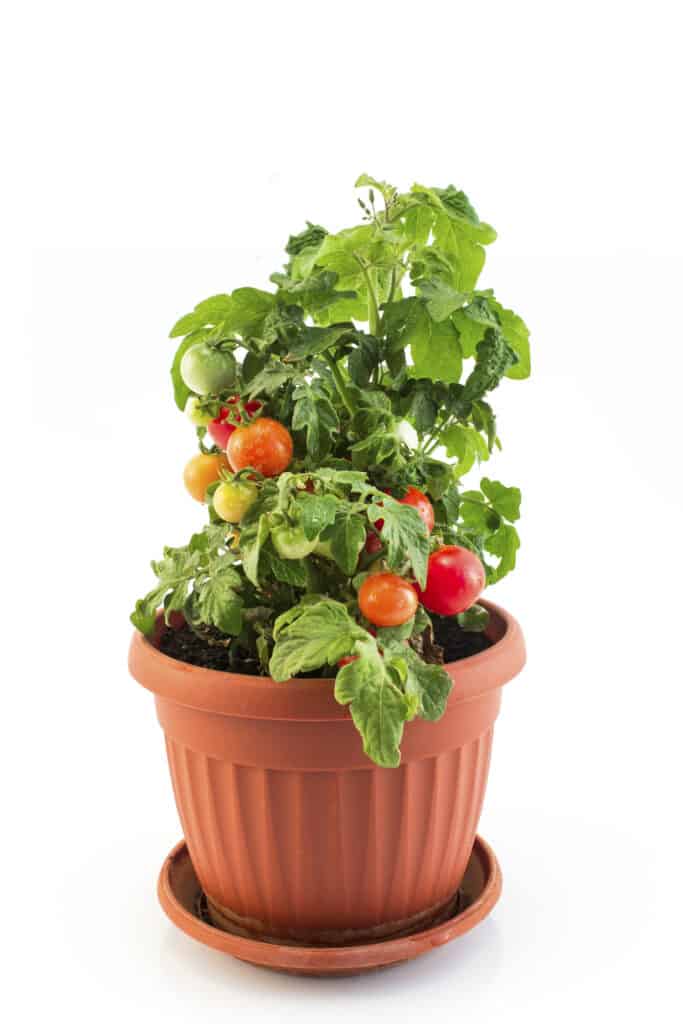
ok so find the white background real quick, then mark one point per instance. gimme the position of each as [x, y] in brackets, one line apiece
[158, 153]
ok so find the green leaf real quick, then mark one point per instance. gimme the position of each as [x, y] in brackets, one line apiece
[145, 614]
[435, 349]
[314, 293]
[404, 535]
[442, 299]
[186, 325]
[251, 542]
[403, 321]
[309, 636]
[494, 358]
[315, 340]
[218, 603]
[363, 359]
[315, 414]
[378, 706]
[474, 620]
[516, 334]
[252, 366]
[378, 713]
[466, 255]
[505, 500]
[270, 379]
[423, 408]
[465, 444]
[310, 237]
[346, 538]
[395, 634]
[317, 512]
[429, 684]
[286, 570]
[249, 308]
[477, 514]
[504, 543]
[386, 191]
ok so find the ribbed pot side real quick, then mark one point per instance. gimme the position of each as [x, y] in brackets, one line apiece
[292, 832]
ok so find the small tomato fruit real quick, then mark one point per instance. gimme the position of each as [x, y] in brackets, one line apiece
[265, 445]
[386, 599]
[233, 498]
[291, 542]
[202, 471]
[206, 369]
[455, 579]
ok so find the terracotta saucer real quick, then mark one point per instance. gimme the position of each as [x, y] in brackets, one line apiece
[184, 902]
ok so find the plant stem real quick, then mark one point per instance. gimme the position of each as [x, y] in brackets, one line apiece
[373, 308]
[340, 383]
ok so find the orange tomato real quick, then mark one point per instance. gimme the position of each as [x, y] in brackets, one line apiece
[387, 600]
[265, 445]
[201, 471]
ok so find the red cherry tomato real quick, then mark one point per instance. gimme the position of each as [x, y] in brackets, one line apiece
[455, 579]
[265, 445]
[373, 543]
[386, 599]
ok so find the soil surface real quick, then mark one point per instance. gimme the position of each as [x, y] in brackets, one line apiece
[450, 643]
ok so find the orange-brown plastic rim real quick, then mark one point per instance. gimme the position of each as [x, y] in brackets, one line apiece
[248, 696]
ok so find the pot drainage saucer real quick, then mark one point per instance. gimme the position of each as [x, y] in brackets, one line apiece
[184, 902]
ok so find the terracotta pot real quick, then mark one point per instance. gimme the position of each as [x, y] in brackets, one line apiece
[292, 832]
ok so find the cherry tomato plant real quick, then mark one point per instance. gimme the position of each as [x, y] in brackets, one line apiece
[338, 416]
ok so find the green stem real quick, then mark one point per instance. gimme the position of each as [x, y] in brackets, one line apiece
[373, 308]
[340, 383]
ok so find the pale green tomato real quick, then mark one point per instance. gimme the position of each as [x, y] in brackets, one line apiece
[206, 370]
[291, 542]
[195, 414]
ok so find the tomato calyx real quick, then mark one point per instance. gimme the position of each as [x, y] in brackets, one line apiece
[230, 416]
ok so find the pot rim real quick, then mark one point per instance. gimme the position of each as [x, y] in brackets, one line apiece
[214, 691]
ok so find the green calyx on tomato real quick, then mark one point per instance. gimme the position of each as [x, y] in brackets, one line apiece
[233, 498]
[208, 368]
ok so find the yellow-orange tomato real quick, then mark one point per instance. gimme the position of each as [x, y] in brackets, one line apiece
[201, 471]
[265, 445]
[387, 600]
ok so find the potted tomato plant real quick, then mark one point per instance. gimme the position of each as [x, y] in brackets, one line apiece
[325, 672]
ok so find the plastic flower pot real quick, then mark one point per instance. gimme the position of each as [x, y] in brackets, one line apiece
[293, 833]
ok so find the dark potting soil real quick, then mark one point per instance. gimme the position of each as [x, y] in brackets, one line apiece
[449, 643]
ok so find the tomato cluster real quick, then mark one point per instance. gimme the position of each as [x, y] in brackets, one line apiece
[455, 576]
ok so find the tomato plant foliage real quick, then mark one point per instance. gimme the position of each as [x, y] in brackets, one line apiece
[378, 352]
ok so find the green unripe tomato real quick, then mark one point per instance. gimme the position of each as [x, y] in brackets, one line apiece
[195, 414]
[233, 498]
[324, 549]
[291, 542]
[206, 370]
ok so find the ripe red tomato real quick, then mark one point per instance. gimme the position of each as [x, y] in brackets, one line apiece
[265, 445]
[224, 425]
[387, 600]
[422, 504]
[455, 579]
